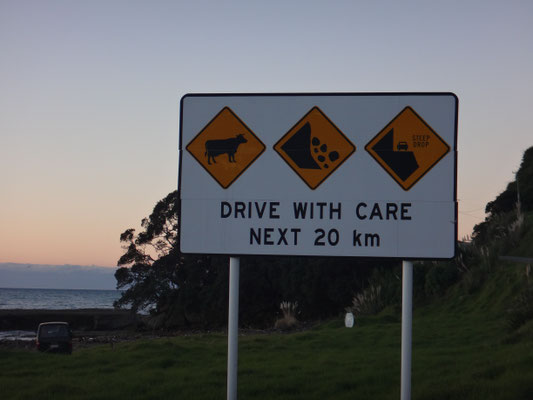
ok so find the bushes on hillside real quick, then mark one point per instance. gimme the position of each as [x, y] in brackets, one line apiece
[521, 311]
[439, 278]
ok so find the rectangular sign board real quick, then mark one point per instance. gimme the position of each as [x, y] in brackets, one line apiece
[330, 174]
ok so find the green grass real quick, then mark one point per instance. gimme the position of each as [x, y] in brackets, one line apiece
[462, 349]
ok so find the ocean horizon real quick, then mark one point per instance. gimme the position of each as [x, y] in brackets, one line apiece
[43, 276]
[57, 299]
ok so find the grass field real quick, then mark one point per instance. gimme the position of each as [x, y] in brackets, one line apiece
[462, 349]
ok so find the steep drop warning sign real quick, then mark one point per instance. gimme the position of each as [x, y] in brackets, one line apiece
[225, 147]
[407, 148]
[314, 148]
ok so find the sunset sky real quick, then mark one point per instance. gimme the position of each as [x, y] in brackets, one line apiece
[90, 91]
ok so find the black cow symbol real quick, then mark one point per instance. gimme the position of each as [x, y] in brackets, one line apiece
[215, 148]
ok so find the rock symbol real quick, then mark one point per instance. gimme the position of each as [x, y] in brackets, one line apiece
[299, 146]
[229, 146]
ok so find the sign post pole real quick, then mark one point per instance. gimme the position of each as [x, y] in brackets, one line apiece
[407, 328]
[233, 327]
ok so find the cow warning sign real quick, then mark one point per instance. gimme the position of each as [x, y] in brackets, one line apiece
[314, 148]
[407, 148]
[226, 147]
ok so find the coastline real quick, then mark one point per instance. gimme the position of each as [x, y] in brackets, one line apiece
[90, 326]
[88, 319]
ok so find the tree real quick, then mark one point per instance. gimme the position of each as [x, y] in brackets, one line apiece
[149, 265]
[155, 277]
[192, 290]
[506, 201]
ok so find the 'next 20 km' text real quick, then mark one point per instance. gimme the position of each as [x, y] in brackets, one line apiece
[316, 211]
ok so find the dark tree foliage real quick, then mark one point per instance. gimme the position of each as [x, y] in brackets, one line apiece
[192, 290]
[322, 286]
[149, 265]
[506, 201]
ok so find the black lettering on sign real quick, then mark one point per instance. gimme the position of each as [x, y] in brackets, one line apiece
[273, 210]
[266, 237]
[332, 237]
[240, 207]
[255, 236]
[359, 212]
[225, 209]
[361, 239]
[376, 212]
[282, 239]
[306, 210]
[295, 232]
[277, 236]
[319, 239]
[392, 208]
[404, 210]
[388, 211]
[335, 211]
[251, 209]
[420, 141]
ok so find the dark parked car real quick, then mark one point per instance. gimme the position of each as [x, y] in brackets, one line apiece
[54, 337]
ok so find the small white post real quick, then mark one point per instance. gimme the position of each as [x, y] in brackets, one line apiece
[407, 328]
[233, 327]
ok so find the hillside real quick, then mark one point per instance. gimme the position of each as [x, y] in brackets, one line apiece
[494, 268]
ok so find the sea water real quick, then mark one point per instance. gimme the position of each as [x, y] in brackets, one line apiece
[56, 299]
[51, 299]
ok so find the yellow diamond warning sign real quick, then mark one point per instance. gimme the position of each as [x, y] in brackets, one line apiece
[407, 148]
[314, 148]
[226, 147]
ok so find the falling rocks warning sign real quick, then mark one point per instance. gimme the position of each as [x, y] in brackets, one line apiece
[314, 148]
[368, 175]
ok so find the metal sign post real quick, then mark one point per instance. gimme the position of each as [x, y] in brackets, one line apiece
[233, 327]
[407, 328]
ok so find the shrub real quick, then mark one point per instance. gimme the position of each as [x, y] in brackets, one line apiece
[521, 310]
[367, 302]
[288, 321]
[439, 278]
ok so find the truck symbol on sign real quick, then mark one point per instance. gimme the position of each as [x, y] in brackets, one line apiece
[229, 146]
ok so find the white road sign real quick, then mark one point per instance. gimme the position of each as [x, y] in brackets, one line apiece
[358, 175]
